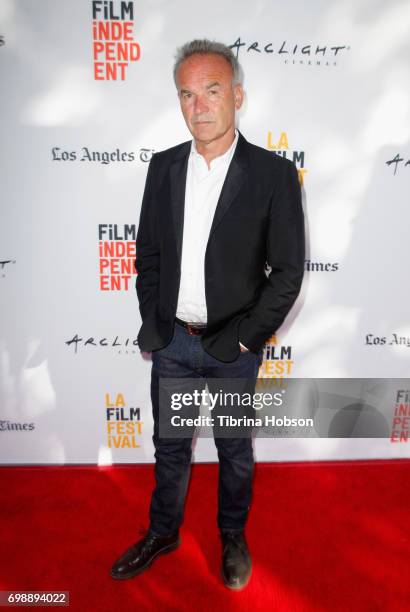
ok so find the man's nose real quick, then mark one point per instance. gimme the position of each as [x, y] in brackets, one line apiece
[201, 105]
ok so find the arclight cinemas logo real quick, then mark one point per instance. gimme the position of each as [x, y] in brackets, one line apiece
[119, 344]
[114, 46]
[294, 53]
[4, 263]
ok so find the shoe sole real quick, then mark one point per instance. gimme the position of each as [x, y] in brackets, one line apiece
[233, 587]
[163, 551]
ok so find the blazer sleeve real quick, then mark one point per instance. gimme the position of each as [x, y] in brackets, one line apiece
[147, 246]
[285, 256]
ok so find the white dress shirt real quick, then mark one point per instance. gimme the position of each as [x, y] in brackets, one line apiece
[203, 188]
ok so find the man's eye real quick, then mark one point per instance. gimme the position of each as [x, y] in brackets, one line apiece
[186, 94]
[213, 91]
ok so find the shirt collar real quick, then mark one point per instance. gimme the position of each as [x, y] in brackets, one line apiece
[227, 153]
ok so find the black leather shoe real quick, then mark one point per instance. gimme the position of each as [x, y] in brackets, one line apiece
[141, 555]
[236, 561]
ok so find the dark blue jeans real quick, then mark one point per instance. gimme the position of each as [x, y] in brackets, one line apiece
[184, 357]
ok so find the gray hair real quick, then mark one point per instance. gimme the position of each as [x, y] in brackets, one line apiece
[204, 47]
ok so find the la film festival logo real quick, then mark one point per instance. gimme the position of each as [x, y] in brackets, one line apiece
[277, 360]
[124, 425]
[114, 47]
[280, 146]
[117, 251]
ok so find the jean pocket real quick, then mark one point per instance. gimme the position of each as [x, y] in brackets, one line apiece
[161, 351]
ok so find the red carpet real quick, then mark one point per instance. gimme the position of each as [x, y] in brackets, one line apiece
[323, 536]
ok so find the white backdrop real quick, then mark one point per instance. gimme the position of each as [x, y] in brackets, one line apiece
[327, 84]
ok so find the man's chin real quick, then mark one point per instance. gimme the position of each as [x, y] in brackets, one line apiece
[204, 133]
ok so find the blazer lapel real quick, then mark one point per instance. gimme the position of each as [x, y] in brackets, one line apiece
[234, 179]
[178, 172]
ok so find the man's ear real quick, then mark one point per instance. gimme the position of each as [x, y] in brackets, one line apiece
[238, 95]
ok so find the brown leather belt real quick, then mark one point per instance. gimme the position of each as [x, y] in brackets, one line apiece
[193, 329]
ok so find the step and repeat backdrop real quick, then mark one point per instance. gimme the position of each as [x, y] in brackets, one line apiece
[87, 96]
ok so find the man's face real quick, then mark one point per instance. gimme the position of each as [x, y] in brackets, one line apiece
[208, 99]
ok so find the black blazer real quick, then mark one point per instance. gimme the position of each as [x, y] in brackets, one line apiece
[258, 220]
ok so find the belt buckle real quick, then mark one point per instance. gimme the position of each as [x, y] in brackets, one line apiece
[192, 330]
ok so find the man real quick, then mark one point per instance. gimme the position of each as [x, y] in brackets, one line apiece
[215, 211]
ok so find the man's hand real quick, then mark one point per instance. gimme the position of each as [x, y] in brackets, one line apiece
[243, 348]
